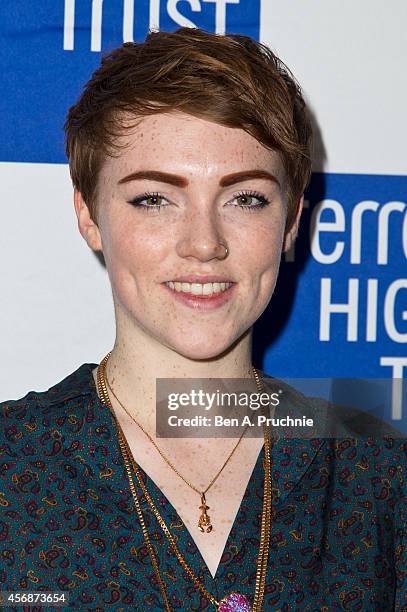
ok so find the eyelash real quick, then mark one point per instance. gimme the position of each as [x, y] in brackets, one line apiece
[149, 208]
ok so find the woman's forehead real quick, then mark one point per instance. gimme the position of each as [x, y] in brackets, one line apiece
[177, 140]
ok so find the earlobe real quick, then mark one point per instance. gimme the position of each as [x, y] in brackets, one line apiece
[87, 227]
[291, 235]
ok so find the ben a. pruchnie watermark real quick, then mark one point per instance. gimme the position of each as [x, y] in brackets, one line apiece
[220, 408]
[299, 408]
[245, 421]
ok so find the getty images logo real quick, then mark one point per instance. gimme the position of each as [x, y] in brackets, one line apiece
[155, 7]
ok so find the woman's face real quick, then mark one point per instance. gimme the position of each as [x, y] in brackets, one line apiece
[146, 247]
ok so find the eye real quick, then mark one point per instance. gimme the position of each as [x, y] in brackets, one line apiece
[245, 200]
[153, 201]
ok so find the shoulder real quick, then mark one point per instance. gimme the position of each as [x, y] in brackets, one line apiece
[331, 420]
[25, 420]
[47, 464]
[78, 382]
[352, 443]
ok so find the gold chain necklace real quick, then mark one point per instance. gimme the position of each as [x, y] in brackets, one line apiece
[204, 522]
[234, 601]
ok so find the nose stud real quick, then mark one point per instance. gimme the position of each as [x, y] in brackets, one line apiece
[226, 249]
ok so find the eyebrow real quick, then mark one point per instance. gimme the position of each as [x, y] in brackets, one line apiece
[180, 181]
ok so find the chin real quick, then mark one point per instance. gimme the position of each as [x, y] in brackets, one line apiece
[202, 351]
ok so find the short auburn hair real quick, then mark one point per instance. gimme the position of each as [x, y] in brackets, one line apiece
[230, 79]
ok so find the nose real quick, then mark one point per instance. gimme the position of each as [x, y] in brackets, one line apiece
[202, 237]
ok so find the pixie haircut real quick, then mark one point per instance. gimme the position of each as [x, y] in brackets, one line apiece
[231, 80]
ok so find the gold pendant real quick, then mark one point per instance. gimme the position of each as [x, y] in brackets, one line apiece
[204, 523]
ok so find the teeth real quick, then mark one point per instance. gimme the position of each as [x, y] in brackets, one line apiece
[198, 288]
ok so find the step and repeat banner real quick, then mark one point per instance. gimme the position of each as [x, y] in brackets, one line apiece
[339, 312]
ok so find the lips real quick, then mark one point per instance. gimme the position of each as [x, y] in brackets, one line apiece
[191, 294]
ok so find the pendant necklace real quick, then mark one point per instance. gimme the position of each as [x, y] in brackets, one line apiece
[233, 602]
[204, 523]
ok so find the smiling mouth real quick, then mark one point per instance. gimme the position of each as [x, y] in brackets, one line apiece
[199, 289]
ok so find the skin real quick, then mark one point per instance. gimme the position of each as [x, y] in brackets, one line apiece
[158, 337]
[142, 249]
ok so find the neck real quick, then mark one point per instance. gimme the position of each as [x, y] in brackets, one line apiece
[137, 360]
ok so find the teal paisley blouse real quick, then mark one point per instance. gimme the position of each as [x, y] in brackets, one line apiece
[68, 522]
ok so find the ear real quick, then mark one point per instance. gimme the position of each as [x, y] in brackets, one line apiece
[87, 227]
[291, 235]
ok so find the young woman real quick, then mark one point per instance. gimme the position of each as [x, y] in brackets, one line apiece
[189, 155]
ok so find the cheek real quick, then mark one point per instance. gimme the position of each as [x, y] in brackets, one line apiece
[261, 250]
[130, 241]
[132, 251]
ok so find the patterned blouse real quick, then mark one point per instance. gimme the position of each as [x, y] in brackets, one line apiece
[68, 521]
